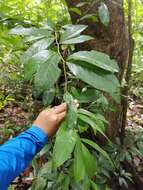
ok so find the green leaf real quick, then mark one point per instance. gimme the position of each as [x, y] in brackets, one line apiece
[104, 14]
[66, 183]
[89, 162]
[96, 58]
[71, 117]
[64, 144]
[93, 17]
[98, 148]
[39, 34]
[31, 34]
[39, 184]
[35, 32]
[19, 30]
[46, 169]
[34, 38]
[86, 95]
[29, 70]
[77, 40]
[79, 168]
[75, 10]
[48, 72]
[47, 27]
[97, 78]
[93, 124]
[94, 186]
[32, 64]
[71, 31]
[92, 115]
[48, 97]
[36, 48]
[84, 162]
[11, 188]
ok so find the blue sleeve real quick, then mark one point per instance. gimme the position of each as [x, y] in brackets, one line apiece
[17, 153]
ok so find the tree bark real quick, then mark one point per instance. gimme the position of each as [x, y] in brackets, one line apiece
[111, 40]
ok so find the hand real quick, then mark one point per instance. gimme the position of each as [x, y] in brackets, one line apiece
[50, 119]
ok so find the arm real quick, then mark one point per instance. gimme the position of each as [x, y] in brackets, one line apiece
[17, 153]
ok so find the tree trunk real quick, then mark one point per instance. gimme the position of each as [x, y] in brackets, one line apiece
[111, 40]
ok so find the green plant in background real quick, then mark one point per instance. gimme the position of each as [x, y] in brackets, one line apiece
[27, 14]
[129, 154]
[4, 100]
[137, 71]
[32, 12]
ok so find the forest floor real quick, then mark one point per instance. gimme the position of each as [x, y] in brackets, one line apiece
[135, 114]
[134, 121]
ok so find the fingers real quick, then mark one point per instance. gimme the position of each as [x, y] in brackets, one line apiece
[63, 107]
[59, 109]
[61, 116]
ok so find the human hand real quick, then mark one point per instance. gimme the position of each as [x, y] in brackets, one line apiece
[50, 119]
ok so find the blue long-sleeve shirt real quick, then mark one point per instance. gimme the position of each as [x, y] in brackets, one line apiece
[17, 153]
